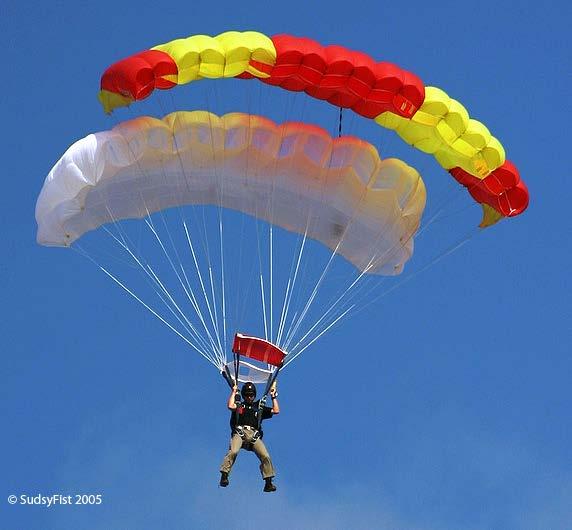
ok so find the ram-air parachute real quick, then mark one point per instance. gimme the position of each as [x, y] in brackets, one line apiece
[425, 117]
[286, 178]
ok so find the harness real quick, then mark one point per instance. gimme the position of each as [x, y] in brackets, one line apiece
[239, 429]
[277, 360]
[271, 380]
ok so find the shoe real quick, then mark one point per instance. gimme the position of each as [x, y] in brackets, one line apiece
[223, 479]
[268, 486]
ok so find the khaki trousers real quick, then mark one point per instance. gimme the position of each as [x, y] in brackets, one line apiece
[236, 443]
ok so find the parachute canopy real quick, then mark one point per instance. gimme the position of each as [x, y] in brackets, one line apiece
[423, 116]
[337, 191]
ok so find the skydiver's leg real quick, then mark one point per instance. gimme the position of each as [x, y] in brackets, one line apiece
[233, 449]
[266, 467]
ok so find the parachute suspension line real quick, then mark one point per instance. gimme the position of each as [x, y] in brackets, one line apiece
[350, 288]
[268, 312]
[240, 239]
[210, 270]
[274, 337]
[289, 290]
[336, 318]
[198, 337]
[281, 321]
[353, 288]
[203, 240]
[222, 277]
[189, 292]
[326, 313]
[318, 336]
[217, 348]
[206, 356]
[448, 251]
[161, 288]
[156, 280]
[202, 284]
[263, 306]
[372, 263]
[332, 306]
[221, 239]
[270, 206]
[151, 226]
[261, 276]
[295, 326]
[162, 103]
[310, 300]
[291, 282]
[245, 295]
[213, 298]
[79, 249]
[435, 260]
[271, 287]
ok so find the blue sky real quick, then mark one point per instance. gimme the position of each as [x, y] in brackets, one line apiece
[444, 406]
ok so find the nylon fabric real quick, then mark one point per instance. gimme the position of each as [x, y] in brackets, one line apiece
[425, 117]
[338, 190]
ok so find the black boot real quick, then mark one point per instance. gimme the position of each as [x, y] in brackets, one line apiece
[268, 486]
[223, 479]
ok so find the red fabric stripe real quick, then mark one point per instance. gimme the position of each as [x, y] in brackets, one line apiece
[258, 349]
[502, 189]
[344, 78]
[137, 76]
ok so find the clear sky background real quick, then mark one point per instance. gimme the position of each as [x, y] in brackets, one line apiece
[446, 406]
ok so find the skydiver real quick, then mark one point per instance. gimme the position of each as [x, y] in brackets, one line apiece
[246, 432]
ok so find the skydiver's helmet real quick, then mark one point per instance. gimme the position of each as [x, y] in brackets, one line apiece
[248, 390]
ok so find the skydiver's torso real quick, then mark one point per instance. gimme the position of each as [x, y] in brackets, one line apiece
[247, 414]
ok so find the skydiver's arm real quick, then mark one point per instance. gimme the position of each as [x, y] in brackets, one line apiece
[274, 396]
[275, 406]
[231, 404]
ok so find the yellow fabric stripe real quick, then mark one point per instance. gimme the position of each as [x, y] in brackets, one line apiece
[226, 55]
[110, 101]
[442, 127]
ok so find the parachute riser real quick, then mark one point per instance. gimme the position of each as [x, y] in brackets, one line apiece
[232, 381]
[236, 369]
[269, 384]
[227, 377]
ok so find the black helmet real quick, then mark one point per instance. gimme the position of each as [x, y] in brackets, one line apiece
[248, 389]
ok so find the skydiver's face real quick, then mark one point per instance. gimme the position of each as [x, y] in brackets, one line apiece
[249, 398]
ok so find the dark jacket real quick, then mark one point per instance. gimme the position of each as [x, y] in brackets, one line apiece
[247, 414]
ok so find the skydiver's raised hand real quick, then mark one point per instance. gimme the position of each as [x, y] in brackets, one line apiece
[233, 398]
[274, 396]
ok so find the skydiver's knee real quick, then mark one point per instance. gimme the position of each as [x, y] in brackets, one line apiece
[265, 457]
